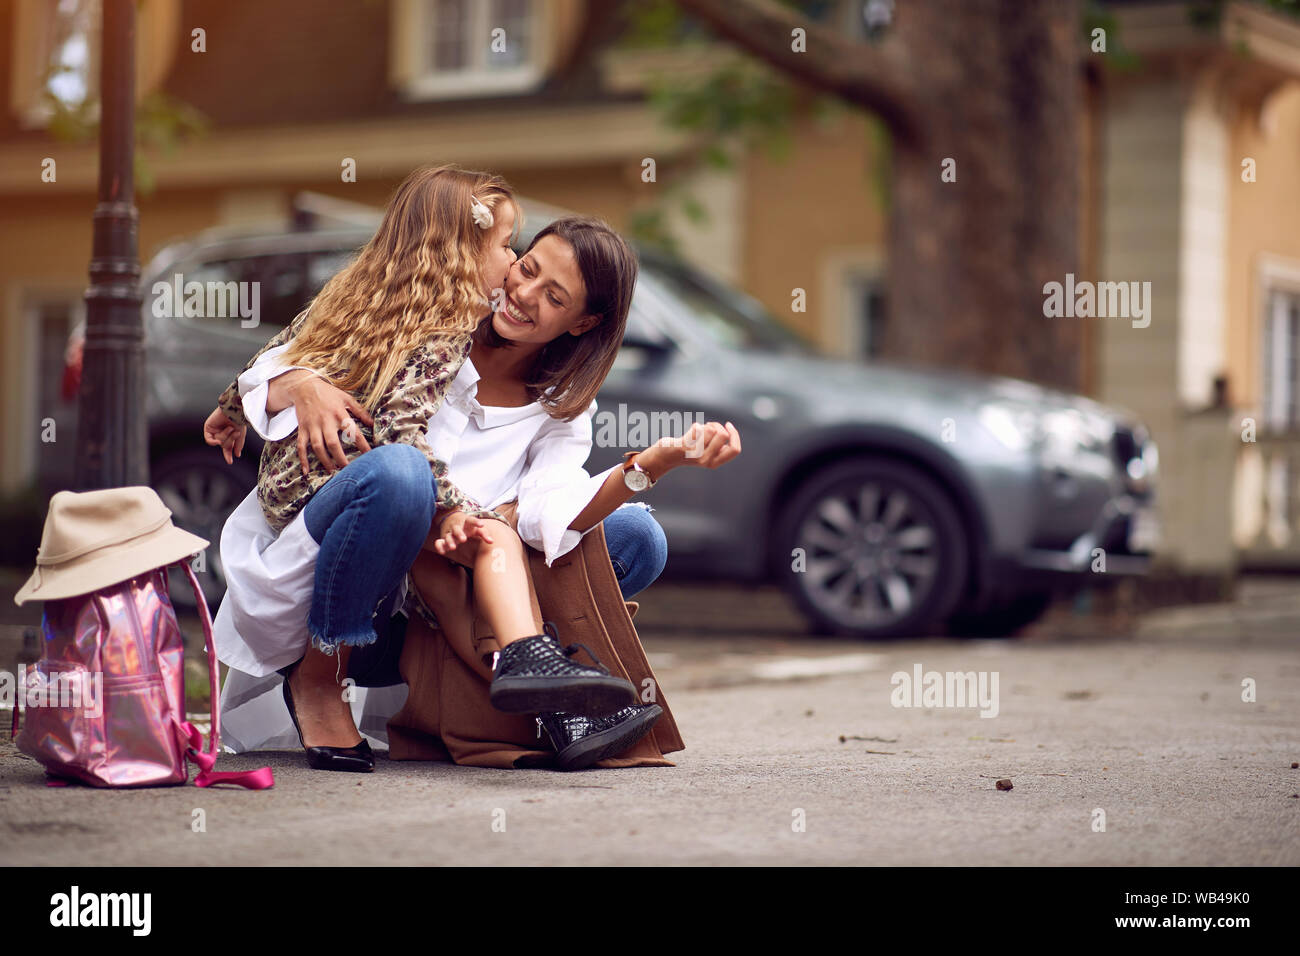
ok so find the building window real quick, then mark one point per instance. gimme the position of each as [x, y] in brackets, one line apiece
[55, 57]
[73, 76]
[864, 296]
[1281, 372]
[56, 60]
[474, 47]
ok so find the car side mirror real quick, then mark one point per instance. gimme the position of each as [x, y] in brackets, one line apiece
[651, 343]
[641, 351]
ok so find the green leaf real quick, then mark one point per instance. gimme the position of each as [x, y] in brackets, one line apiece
[694, 211]
[718, 157]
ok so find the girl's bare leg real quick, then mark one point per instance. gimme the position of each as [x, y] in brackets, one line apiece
[501, 586]
[542, 678]
[318, 697]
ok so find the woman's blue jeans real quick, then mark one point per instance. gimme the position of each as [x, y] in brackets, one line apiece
[637, 547]
[371, 519]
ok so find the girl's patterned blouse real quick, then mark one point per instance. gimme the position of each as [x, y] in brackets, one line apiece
[402, 415]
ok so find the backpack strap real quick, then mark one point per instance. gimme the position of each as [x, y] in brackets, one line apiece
[259, 779]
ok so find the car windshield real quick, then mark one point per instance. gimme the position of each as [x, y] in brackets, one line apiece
[728, 317]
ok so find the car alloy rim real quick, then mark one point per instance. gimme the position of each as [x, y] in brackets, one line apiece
[870, 554]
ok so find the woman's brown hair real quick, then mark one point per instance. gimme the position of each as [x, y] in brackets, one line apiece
[570, 369]
[419, 276]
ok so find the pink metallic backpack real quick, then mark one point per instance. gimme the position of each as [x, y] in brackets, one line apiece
[106, 702]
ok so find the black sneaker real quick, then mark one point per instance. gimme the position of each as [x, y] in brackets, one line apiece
[582, 741]
[534, 675]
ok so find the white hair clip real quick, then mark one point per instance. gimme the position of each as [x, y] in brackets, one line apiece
[482, 214]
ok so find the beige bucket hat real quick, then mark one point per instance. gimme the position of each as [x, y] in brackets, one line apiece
[96, 538]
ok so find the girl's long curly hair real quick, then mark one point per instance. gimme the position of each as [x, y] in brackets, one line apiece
[419, 276]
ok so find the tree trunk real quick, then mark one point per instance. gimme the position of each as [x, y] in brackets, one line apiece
[993, 85]
[968, 259]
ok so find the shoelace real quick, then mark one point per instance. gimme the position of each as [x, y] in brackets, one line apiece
[573, 649]
[549, 628]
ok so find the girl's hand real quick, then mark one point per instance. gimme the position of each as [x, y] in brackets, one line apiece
[459, 536]
[221, 431]
[324, 412]
[708, 445]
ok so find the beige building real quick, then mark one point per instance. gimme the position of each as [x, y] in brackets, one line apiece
[1199, 195]
[294, 97]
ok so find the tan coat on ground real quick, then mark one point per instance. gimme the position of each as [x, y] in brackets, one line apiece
[447, 715]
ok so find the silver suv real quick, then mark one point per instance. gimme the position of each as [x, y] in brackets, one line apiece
[888, 501]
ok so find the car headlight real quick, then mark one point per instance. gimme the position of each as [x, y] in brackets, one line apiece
[1056, 431]
[1143, 464]
[1067, 431]
[1151, 458]
[1016, 427]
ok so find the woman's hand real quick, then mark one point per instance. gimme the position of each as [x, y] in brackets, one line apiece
[323, 411]
[221, 431]
[707, 445]
[458, 536]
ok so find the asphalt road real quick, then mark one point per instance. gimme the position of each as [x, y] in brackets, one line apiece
[797, 755]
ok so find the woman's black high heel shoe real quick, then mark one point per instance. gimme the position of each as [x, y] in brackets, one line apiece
[358, 759]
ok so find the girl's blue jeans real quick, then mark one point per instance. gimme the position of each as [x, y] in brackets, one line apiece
[371, 519]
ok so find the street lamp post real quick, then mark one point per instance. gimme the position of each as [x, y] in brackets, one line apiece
[112, 437]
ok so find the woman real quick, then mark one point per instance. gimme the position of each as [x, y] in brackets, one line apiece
[516, 424]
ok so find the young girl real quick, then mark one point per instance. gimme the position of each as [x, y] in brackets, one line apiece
[393, 329]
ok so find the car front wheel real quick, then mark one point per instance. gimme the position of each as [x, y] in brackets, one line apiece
[202, 490]
[872, 548]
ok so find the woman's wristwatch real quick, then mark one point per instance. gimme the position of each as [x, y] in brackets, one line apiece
[634, 476]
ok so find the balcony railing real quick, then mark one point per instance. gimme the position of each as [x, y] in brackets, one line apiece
[1266, 506]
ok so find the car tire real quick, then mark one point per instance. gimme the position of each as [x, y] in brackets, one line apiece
[872, 548]
[1004, 619]
[202, 490]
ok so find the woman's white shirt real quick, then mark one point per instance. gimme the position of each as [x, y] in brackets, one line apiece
[493, 454]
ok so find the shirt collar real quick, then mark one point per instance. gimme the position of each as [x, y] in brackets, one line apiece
[465, 379]
[463, 389]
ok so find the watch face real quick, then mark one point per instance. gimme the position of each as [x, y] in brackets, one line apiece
[636, 480]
